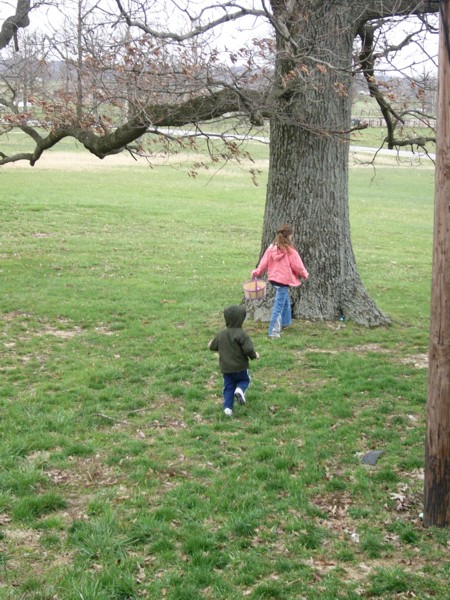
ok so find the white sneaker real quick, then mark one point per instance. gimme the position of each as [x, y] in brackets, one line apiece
[239, 395]
[228, 412]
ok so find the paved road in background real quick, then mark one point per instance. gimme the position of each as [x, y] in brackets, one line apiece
[385, 151]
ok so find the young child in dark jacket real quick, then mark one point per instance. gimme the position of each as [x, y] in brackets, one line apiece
[235, 348]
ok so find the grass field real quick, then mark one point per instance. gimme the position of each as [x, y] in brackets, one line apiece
[120, 478]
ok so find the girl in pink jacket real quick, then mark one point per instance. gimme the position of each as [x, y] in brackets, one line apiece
[285, 268]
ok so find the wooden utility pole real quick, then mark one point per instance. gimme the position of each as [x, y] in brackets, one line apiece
[437, 445]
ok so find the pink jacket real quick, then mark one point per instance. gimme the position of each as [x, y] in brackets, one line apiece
[282, 266]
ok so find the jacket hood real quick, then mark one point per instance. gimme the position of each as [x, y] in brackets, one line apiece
[276, 253]
[234, 316]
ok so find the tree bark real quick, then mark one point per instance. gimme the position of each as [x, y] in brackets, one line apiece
[437, 444]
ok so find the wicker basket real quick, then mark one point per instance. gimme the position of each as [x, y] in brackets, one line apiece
[254, 289]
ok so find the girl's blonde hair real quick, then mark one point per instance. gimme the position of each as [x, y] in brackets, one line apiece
[282, 240]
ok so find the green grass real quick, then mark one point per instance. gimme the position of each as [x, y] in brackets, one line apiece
[119, 475]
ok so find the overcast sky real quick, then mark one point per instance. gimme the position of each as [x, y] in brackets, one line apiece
[416, 59]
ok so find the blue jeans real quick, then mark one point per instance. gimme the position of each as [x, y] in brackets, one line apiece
[281, 307]
[231, 381]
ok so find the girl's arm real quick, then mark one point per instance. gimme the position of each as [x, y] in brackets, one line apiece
[297, 265]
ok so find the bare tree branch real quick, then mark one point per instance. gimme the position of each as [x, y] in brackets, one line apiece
[152, 116]
[196, 30]
[367, 58]
[10, 26]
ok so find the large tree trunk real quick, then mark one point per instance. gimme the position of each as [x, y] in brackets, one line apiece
[308, 173]
[314, 200]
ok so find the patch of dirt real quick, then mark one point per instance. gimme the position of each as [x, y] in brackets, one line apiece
[41, 234]
[64, 334]
[103, 330]
[24, 537]
[14, 314]
[84, 473]
[85, 161]
[364, 348]
[48, 329]
[420, 361]
[76, 161]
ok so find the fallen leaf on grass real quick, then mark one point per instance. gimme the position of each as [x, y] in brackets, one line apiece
[402, 502]
[4, 519]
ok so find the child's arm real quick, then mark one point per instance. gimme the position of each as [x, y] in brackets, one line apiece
[213, 345]
[297, 265]
[248, 348]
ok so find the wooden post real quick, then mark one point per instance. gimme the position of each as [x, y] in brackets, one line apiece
[437, 444]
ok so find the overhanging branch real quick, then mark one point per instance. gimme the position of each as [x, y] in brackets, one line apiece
[202, 108]
[195, 31]
[10, 26]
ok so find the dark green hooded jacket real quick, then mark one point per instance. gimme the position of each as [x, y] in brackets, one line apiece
[233, 344]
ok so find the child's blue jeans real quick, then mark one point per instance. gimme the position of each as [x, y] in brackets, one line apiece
[231, 381]
[281, 307]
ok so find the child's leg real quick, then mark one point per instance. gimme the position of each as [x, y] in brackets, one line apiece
[242, 382]
[286, 314]
[278, 305]
[229, 386]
